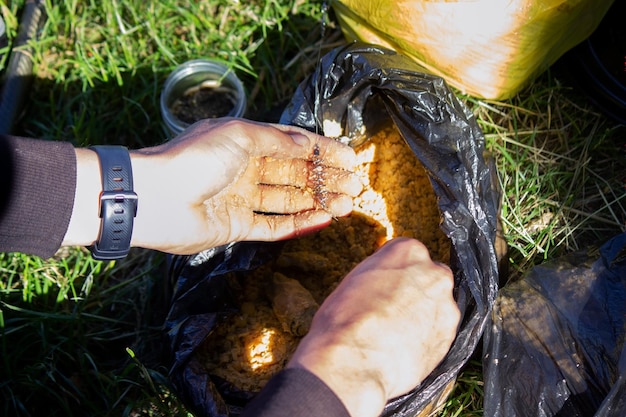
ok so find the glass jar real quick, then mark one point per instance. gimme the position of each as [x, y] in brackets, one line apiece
[200, 89]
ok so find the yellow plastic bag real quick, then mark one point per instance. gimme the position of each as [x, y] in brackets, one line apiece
[484, 48]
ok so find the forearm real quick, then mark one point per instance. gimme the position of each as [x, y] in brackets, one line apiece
[221, 182]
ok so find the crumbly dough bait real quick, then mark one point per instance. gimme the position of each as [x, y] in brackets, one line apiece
[277, 300]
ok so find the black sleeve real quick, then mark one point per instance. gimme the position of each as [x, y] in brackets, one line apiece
[38, 182]
[295, 392]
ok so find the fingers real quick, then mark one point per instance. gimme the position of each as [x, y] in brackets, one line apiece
[299, 173]
[408, 251]
[290, 200]
[276, 227]
[288, 186]
[290, 142]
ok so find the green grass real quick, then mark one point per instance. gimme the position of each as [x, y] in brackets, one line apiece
[82, 337]
[561, 167]
[101, 65]
[66, 324]
[467, 396]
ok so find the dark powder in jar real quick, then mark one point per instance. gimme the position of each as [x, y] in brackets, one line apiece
[203, 102]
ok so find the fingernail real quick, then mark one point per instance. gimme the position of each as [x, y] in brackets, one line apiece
[300, 139]
[340, 206]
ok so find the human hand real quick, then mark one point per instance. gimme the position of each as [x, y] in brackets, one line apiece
[383, 329]
[220, 181]
[227, 180]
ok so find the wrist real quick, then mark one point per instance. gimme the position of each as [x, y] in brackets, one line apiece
[156, 189]
[84, 223]
[140, 163]
[345, 372]
[84, 226]
[154, 192]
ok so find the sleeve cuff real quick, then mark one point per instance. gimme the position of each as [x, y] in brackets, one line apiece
[37, 194]
[295, 392]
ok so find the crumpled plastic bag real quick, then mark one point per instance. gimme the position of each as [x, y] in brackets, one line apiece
[557, 343]
[351, 83]
[485, 48]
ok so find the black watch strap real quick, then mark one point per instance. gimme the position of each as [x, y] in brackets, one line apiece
[118, 203]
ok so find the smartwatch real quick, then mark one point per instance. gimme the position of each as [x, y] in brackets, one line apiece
[118, 203]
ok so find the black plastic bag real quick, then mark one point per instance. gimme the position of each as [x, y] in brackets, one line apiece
[351, 87]
[556, 347]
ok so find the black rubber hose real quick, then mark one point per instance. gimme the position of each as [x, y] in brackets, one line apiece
[4, 42]
[18, 75]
